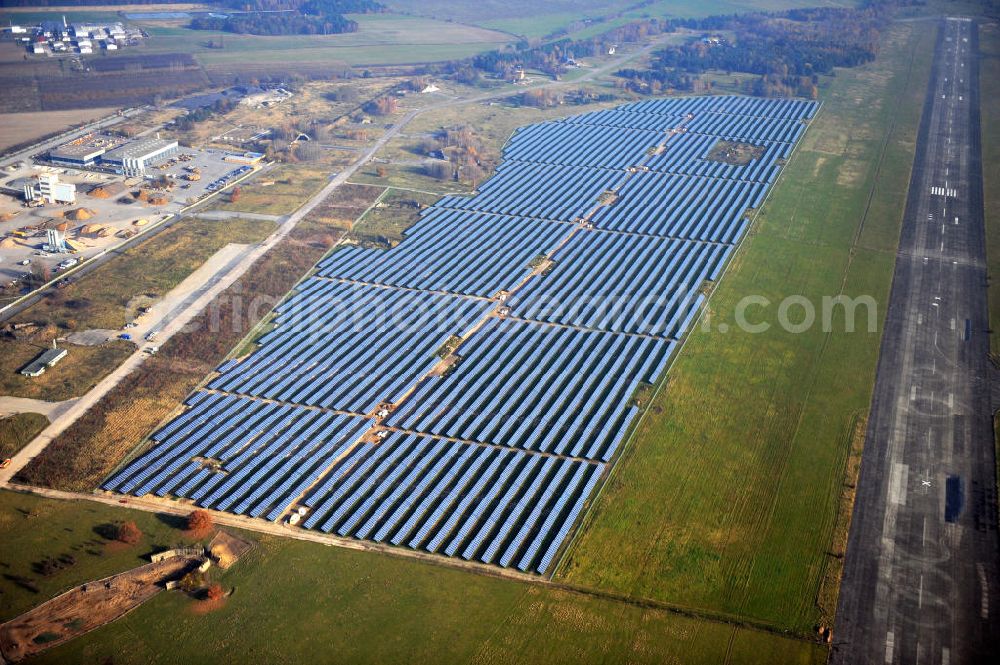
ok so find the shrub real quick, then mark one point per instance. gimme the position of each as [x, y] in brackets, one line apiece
[128, 533]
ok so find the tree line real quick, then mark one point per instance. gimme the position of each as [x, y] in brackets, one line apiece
[287, 17]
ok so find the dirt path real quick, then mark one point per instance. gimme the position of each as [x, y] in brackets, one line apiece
[86, 607]
[11, 405]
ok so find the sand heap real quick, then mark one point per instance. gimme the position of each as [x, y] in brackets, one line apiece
[80, 214]
[96, 230]
[106, 191]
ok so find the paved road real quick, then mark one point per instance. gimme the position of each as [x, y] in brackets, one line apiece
[922, 574]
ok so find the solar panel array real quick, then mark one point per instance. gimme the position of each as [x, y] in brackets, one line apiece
[463, 392]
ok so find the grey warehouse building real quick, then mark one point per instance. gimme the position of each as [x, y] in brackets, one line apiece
[133, 158]
[76, 155]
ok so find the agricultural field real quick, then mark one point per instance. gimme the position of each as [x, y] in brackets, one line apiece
[583, 19]
[380, 39]
[22, 128]
[285, 589]
[728, 492]
[500, 411]
[107, 298]
[176, 60]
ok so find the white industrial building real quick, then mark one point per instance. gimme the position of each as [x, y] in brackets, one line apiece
[49, 189]
[132, 158]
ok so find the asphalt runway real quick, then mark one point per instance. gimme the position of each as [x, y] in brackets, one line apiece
[922, 571]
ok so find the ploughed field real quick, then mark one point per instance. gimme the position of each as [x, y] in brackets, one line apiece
[463, 392]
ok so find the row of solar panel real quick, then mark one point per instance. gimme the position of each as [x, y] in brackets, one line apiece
[537, 387]
[785, 127]
[687, 207]
[348, 346]
[784, 109]
[241, 455]
[481, 503]
[581, 145]
[621, 283]
[436, 256]
[540, 191]
[685, 155]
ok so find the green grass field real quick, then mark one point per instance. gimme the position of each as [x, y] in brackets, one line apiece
[520, 17]
[293, 600]
[989, 81]
[18, 429]
[727, 495]
[380, 39]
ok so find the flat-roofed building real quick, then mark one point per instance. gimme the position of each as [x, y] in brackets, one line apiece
[45, 360]
[133, 157]
[82, 152]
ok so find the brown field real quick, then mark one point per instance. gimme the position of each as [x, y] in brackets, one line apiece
[19, 128]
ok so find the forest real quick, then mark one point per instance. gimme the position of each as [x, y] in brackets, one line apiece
[287, 17]
[787, 50]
